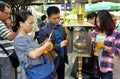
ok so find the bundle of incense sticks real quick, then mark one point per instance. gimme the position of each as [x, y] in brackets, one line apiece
[51, 34]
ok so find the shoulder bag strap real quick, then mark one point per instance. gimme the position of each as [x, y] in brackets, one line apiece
[4, 49]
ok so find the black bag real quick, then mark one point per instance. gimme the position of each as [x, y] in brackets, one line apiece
[13, 57]
[90, 65]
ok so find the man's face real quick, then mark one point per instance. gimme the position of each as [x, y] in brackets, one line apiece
[4, 15]
[92, 21]
[54, 19]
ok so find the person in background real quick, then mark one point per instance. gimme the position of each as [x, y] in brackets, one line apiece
[91, 17]
[43, 20]
[58, 38]
[40, 24]
[32, 62]
[109, 36]
[6, 37]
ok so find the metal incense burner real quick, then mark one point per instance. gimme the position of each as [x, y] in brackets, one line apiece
[79, 38]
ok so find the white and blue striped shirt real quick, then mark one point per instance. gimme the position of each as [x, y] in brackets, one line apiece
[4, 33]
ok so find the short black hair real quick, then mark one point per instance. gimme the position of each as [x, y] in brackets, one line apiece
[43, 17]
[3, 5]
[52, 10]
[91, 15]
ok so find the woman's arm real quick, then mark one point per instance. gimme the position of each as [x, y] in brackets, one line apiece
[38, 51]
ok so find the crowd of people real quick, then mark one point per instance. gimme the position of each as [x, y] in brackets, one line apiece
[51, 37]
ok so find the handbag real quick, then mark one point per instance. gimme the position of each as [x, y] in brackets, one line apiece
[90, 65]
[13, 57]
[41, 71]
[53, 57]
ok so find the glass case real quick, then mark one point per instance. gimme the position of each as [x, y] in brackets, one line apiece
[80, 41]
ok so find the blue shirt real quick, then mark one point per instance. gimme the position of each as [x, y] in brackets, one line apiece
[42, 24]
[59, 39]
[39, 68]
[100, 38]
[22, 47]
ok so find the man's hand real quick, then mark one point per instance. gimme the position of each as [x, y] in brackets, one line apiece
[63, 43]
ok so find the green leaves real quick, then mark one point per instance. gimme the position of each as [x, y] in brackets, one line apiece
[74, 11]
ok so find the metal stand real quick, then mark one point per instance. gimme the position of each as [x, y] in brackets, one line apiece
[79, 67]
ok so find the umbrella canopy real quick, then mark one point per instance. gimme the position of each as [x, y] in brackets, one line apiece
[103, 6]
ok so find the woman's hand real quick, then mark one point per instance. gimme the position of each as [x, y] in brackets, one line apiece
[106, 48]
[49, 47]
[47, 43]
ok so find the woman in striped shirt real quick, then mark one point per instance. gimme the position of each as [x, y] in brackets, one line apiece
[110, 38]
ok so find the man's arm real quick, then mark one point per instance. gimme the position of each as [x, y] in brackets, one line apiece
[6, 33]
[12, 35]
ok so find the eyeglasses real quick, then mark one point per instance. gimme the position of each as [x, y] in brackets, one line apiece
[7, 13]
